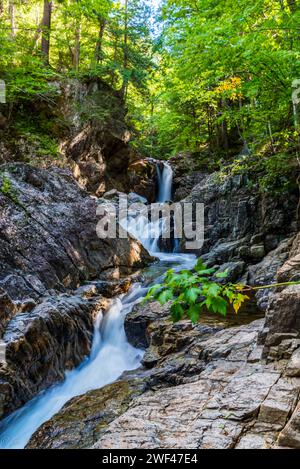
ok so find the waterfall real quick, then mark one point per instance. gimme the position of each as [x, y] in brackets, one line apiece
[165, 179]
[149, 232]
[111, 353]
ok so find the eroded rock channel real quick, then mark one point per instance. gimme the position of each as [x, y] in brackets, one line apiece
[230, 383]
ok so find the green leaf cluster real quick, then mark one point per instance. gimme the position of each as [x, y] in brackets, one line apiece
[191, 292]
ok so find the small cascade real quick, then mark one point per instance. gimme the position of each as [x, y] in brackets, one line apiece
[147, 231]
[111, 353]
[165, 179]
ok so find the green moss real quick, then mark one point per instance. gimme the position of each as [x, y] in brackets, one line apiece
[8, 190]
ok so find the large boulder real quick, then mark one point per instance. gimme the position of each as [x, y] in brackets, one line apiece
[281, 334]
[43, 343]
[48, 237]
[235, 213]
[290, 271]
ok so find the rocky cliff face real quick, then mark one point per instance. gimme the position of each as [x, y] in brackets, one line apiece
[48, 248]
[98, 147]
[206, 386]
[82, 126]
[211, 385]
[247, 232]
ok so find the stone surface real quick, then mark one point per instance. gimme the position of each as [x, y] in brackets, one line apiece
[265, 272]
[290, 271]
[228, 403]
[290, 436]
[84, 419]
[282, 325]
[48, 236]
[293, 366]
[206, 389]
[41, 344]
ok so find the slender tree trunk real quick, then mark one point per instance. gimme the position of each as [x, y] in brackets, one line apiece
[46, 30]
[1, 7]
[76, 55]
[115, 59]
[36, 37]
[125, 60]
[11, 12]
[98, 49]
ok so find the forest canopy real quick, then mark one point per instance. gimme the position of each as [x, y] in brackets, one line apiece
[211, 77]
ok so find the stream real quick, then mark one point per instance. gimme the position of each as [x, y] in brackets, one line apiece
[111, 353]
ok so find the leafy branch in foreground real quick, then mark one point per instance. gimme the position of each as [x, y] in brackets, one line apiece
[191, 292]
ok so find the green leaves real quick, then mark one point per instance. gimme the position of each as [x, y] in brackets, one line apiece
[177, 312]
[192, 292]
[191, 295]
[193, 313]
[165, 296]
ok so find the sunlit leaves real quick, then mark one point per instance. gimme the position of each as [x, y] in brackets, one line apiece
[194, 291]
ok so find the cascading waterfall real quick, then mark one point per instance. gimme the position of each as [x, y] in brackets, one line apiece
[149, 232]
[111, 354]
[165, 179]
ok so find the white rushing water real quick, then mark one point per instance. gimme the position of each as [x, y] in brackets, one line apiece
[165, 179]
[111, 353]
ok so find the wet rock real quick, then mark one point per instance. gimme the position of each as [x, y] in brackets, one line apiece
[257, 251]
[43, 343]
[84, 419]
[143, 178]
[108, 288]
[7, 310]
[137, 322]
[234, 270]
[48, 236]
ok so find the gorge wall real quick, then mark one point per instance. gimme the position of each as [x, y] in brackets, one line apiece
[218, 386]
[49, 248]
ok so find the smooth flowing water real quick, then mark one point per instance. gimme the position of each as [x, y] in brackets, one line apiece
[165, 179]
[111, 353]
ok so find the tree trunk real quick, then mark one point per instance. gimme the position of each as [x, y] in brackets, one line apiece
[98, 49]
[76, 55]
[125, 60]
[11, 12]
[46, 27]
[112, 83]
[1, 7]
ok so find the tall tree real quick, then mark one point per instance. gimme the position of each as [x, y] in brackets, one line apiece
[99, 44]
[46, 31]
[125, 53]
[12, 13]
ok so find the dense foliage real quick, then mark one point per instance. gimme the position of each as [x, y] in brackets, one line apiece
[226, 75]
[192, 292]
[42, 41]
[214, 77]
